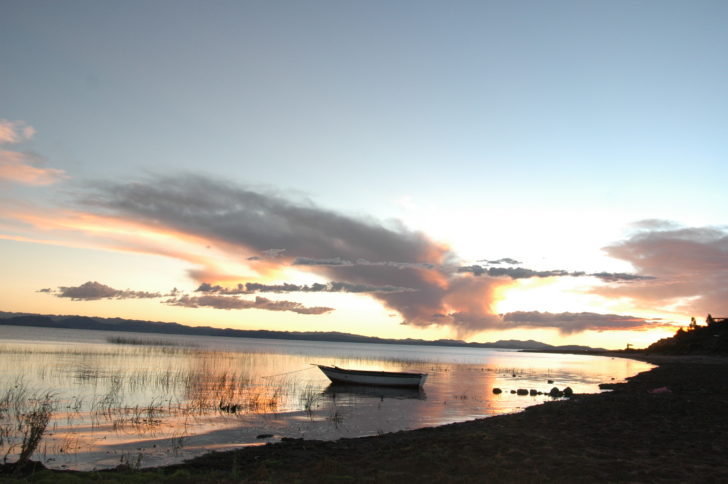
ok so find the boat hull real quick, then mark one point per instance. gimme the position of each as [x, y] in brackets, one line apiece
[373, 378]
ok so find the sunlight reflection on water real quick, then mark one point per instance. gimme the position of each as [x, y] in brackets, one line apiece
[147, 405]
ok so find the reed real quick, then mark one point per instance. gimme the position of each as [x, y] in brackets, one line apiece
[309, 397]
[24, 417]
[128, 340]
[145, 387]
[33, 425]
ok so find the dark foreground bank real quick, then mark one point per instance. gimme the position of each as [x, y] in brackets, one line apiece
[666, 425]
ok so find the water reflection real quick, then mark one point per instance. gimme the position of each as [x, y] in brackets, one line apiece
[175, 398]
[344, 391]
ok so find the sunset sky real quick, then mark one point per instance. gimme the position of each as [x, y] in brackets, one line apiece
[479, 170]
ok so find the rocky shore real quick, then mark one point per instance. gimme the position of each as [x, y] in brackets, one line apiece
[666, 425]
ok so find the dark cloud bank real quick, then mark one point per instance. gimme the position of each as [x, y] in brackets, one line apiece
[409, 273]
[227, 302]
[522, 273]
[92, 290]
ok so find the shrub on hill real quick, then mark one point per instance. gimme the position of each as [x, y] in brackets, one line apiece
[696, 339]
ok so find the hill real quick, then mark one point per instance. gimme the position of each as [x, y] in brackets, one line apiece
[696, 339]
[119, 324]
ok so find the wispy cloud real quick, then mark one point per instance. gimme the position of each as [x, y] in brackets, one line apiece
[27, 168]
[12, 132]
[333, 262]
[23, 167]
[523, 273]
[254, 287]
[505, 260]
[228, 302]
[514, 272]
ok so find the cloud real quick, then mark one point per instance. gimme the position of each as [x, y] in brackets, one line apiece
[22, 167]
[307, 261]
[27, 168]
[418, 278]
[620, 276]
[689, 265]
[90, 291]
[523, 273]
[575, 322]
[231, 302]
[254, 287]
[514, 272]
[12, 132]
[338, 262]
[505, 260]
[361, 252]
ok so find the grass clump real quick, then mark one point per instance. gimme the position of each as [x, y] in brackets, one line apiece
[24, 418]
[127, 340]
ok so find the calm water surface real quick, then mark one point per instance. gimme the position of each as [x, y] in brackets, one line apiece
[175, 397]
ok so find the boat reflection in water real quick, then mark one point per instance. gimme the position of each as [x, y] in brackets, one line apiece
[380, 392]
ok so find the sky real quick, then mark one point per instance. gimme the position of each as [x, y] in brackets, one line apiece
[476, 170]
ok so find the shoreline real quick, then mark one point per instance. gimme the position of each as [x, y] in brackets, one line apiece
[664, 425]
[654, 358]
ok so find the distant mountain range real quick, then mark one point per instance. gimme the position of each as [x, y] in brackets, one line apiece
[119, 324]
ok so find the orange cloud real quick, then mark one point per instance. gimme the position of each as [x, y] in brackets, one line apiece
[689, 266]
[87, 230]
[20, 167]
[15, 131]
[27, 169]
[229, 232]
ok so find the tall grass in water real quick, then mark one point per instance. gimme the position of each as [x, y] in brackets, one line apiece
[309, 398]
[127, 340]
[33, 427]
[24, 418]
[108, 394]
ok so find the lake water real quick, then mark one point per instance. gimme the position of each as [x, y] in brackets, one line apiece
[150, 399]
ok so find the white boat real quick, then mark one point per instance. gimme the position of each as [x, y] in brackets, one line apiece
[373, 378]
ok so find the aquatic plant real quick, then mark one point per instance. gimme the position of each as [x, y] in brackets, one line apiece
[24, 417]
[309, 396]
[127, 340]
[33, 424]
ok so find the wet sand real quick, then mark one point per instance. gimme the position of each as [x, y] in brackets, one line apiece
[669, 424]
